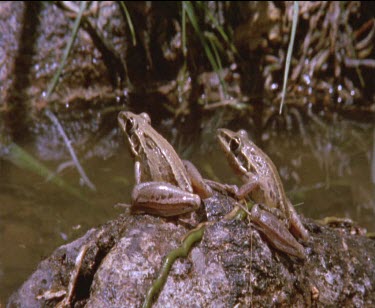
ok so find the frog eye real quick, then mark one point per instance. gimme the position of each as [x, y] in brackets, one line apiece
[234, 144]
[130, 125]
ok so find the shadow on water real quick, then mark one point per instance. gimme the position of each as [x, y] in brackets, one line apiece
[326, 167]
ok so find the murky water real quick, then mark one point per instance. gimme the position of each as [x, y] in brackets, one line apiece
[327, 170]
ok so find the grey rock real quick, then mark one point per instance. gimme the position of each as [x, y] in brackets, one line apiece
[232, 264]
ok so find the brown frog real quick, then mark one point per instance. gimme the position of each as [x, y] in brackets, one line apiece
[263, 185]
[165, 185]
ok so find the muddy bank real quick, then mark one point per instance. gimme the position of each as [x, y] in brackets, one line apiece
[107, 71]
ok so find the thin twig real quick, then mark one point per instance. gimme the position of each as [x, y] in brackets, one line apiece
[359, 62]
[55, 121]
[52, 86]
[67, 301]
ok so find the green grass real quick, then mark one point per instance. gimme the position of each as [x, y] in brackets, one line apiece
[77, 22]
[129, 21]
[290, 51]
[208, 39]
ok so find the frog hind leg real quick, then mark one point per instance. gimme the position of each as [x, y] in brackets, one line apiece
[296, 226]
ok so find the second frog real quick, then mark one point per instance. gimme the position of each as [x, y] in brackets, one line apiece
[263, 185]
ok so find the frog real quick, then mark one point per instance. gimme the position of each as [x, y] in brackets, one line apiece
[273, 213]
[165, 185]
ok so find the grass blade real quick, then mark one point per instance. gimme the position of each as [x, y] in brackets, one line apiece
[129, 21]
[289, 54]
[218, 27]
[77, 22]
[188, 7]
[184, 49]
[24, 160]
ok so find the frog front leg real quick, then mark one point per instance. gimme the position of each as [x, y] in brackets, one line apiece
[276, 232]
[257, 191]
[162, 199]
[251, 183]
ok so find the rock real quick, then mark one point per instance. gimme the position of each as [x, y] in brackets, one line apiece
[232, 264]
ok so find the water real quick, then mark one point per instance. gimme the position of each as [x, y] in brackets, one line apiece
[326, 167]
